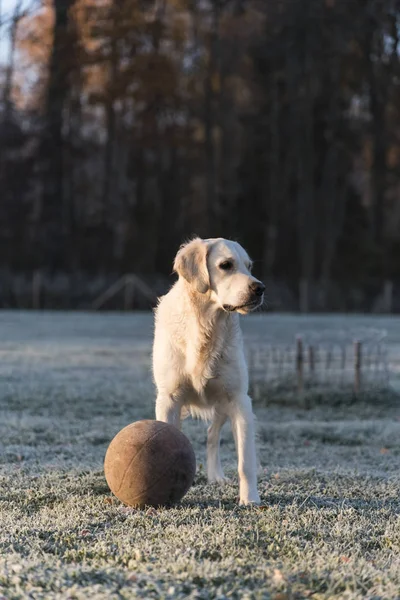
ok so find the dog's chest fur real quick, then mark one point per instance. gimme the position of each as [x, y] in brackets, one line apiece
[206, 349]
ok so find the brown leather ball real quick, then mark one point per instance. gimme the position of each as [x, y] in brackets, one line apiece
[150, 463]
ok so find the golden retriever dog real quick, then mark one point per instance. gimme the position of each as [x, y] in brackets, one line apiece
[198, 359]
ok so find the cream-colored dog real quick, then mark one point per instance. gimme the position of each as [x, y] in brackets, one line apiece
[198, 359]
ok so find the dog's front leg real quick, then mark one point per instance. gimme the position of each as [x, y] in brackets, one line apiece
[242, 420]
[168, 410]
[214, 468]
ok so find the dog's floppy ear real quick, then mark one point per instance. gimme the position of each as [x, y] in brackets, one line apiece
[191, 264]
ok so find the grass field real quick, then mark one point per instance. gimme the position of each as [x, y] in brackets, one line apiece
[329, 525]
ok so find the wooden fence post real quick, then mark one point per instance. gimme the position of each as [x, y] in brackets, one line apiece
[357, 366]
[129, 292]
[311, 360]
[388, 296]
[36, 289]
[304, 300]
[109, 293]
[299, 364]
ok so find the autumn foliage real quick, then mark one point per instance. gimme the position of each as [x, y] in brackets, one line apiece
[127, 125]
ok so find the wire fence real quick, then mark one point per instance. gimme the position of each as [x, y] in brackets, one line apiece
[341, 360]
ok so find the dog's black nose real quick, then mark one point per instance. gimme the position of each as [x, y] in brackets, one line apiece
[257, 287]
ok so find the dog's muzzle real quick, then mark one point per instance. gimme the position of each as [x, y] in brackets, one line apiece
[251, 305]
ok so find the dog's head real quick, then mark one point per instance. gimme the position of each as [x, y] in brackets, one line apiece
[223, 269]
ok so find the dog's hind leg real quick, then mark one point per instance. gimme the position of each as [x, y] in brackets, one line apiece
[214, 468]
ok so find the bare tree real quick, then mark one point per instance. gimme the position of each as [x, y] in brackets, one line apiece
[52, 146]
[7, 91]
[212, 79]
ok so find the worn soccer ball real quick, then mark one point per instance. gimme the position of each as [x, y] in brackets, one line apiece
[150, 463]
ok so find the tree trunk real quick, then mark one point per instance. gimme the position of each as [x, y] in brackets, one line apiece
[8, 83]
[305, 195]
[378, 91]
[109, 199]
[210, 117]
[303, 73]
[273, 196]
[52, 148]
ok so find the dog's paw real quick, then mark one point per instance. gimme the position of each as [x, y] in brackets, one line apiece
[249, 500]
[245, 504]
[219, 479]
[249, 503]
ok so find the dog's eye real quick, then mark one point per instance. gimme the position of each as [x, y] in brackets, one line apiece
[226, 265]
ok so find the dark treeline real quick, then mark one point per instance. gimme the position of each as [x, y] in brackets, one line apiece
[128, 125]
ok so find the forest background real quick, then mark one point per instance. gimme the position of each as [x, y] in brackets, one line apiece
[128, 125]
